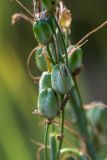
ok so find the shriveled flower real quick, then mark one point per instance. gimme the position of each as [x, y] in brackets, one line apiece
[65, 18]
[15, 18]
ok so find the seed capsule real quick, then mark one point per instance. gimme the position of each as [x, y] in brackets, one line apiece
[42, 31]
[45, 81]
[40, 60]
[47, 103]
[75, 60]
[61, 79]
[50, 5]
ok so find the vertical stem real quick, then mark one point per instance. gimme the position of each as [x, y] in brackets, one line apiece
[62, 38]
[76, 101]
[34, 8]
[55, 50]
[78, 108]
[66, 39]
[53, 144]
[56, 41]
[58, 52]
[49, 52]
[61, 134]
[45, 141]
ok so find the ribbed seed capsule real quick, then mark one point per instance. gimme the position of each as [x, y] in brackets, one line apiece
[61, 79]
[50, 5]
[47, 103]
[40, 60]
[42, 31]
[75, 60]
[45, 81]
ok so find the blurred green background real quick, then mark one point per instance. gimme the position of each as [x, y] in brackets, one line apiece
[18, 94]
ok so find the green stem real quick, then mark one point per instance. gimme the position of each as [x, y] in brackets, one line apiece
[77, 104]
[78, 107]
[50, 56]
[61, 134]
[62, 38]
[45, 141]
[53, 144]
[56, 41]
[66, 39]
[61, 59]
[55, 51]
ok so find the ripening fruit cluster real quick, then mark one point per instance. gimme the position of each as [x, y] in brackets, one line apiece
[56, 79]
[59, 62]
[55, 83]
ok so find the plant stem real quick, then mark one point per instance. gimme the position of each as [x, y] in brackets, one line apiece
[78, 108]
[59, 54]
[56, 41]
[62, 38]
[77, 104]
[61, 134]
[49, 52]
[45, 141]
[56, 51]
[53, 144]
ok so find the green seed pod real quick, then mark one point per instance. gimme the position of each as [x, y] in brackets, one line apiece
[47, 103]
[53, 146]
[40, 60]
[61, 79]
[50, 5]
[75, 60]
[45, 81]
[42, 31]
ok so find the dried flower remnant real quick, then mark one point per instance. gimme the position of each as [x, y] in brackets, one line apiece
[65, 19]
[15, 17]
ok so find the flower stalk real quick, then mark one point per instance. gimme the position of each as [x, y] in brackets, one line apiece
[76, 103]
[51, 26]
